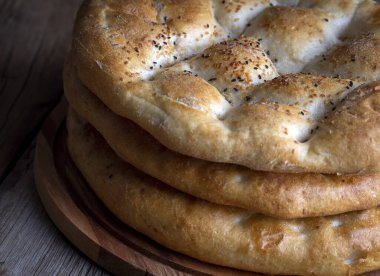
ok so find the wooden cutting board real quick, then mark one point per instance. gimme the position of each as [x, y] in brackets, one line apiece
[88, 224]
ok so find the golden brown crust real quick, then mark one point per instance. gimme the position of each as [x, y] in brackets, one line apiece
[117, 54]
[346, 244]
[356, 58]
[366, 19]
[292, 36]
[279, 195]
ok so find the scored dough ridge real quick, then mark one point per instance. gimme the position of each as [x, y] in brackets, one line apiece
[119, 47]
[274, 194]
[346, 244]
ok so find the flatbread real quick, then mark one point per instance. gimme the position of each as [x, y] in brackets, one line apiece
[128, 53]
[346, 244]
[274, 194]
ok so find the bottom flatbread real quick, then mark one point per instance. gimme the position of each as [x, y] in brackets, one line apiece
[346, 244]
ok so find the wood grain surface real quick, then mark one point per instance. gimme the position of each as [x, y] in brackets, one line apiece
[34, 39]
[35, 36]
[30, 244]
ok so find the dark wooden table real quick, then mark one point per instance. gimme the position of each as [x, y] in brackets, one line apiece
[34, 39]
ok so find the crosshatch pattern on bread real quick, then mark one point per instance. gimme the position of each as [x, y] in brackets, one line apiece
[202, 77]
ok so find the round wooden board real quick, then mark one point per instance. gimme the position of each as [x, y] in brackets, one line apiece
[87, 223]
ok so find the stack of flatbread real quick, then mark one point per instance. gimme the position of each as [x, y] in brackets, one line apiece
[243, 133]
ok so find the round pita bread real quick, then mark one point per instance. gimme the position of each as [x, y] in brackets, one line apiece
[188, 79]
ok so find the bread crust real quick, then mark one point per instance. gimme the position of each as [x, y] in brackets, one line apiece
[118, 47]
[346, 244]
[355, 58]
[275, 194]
